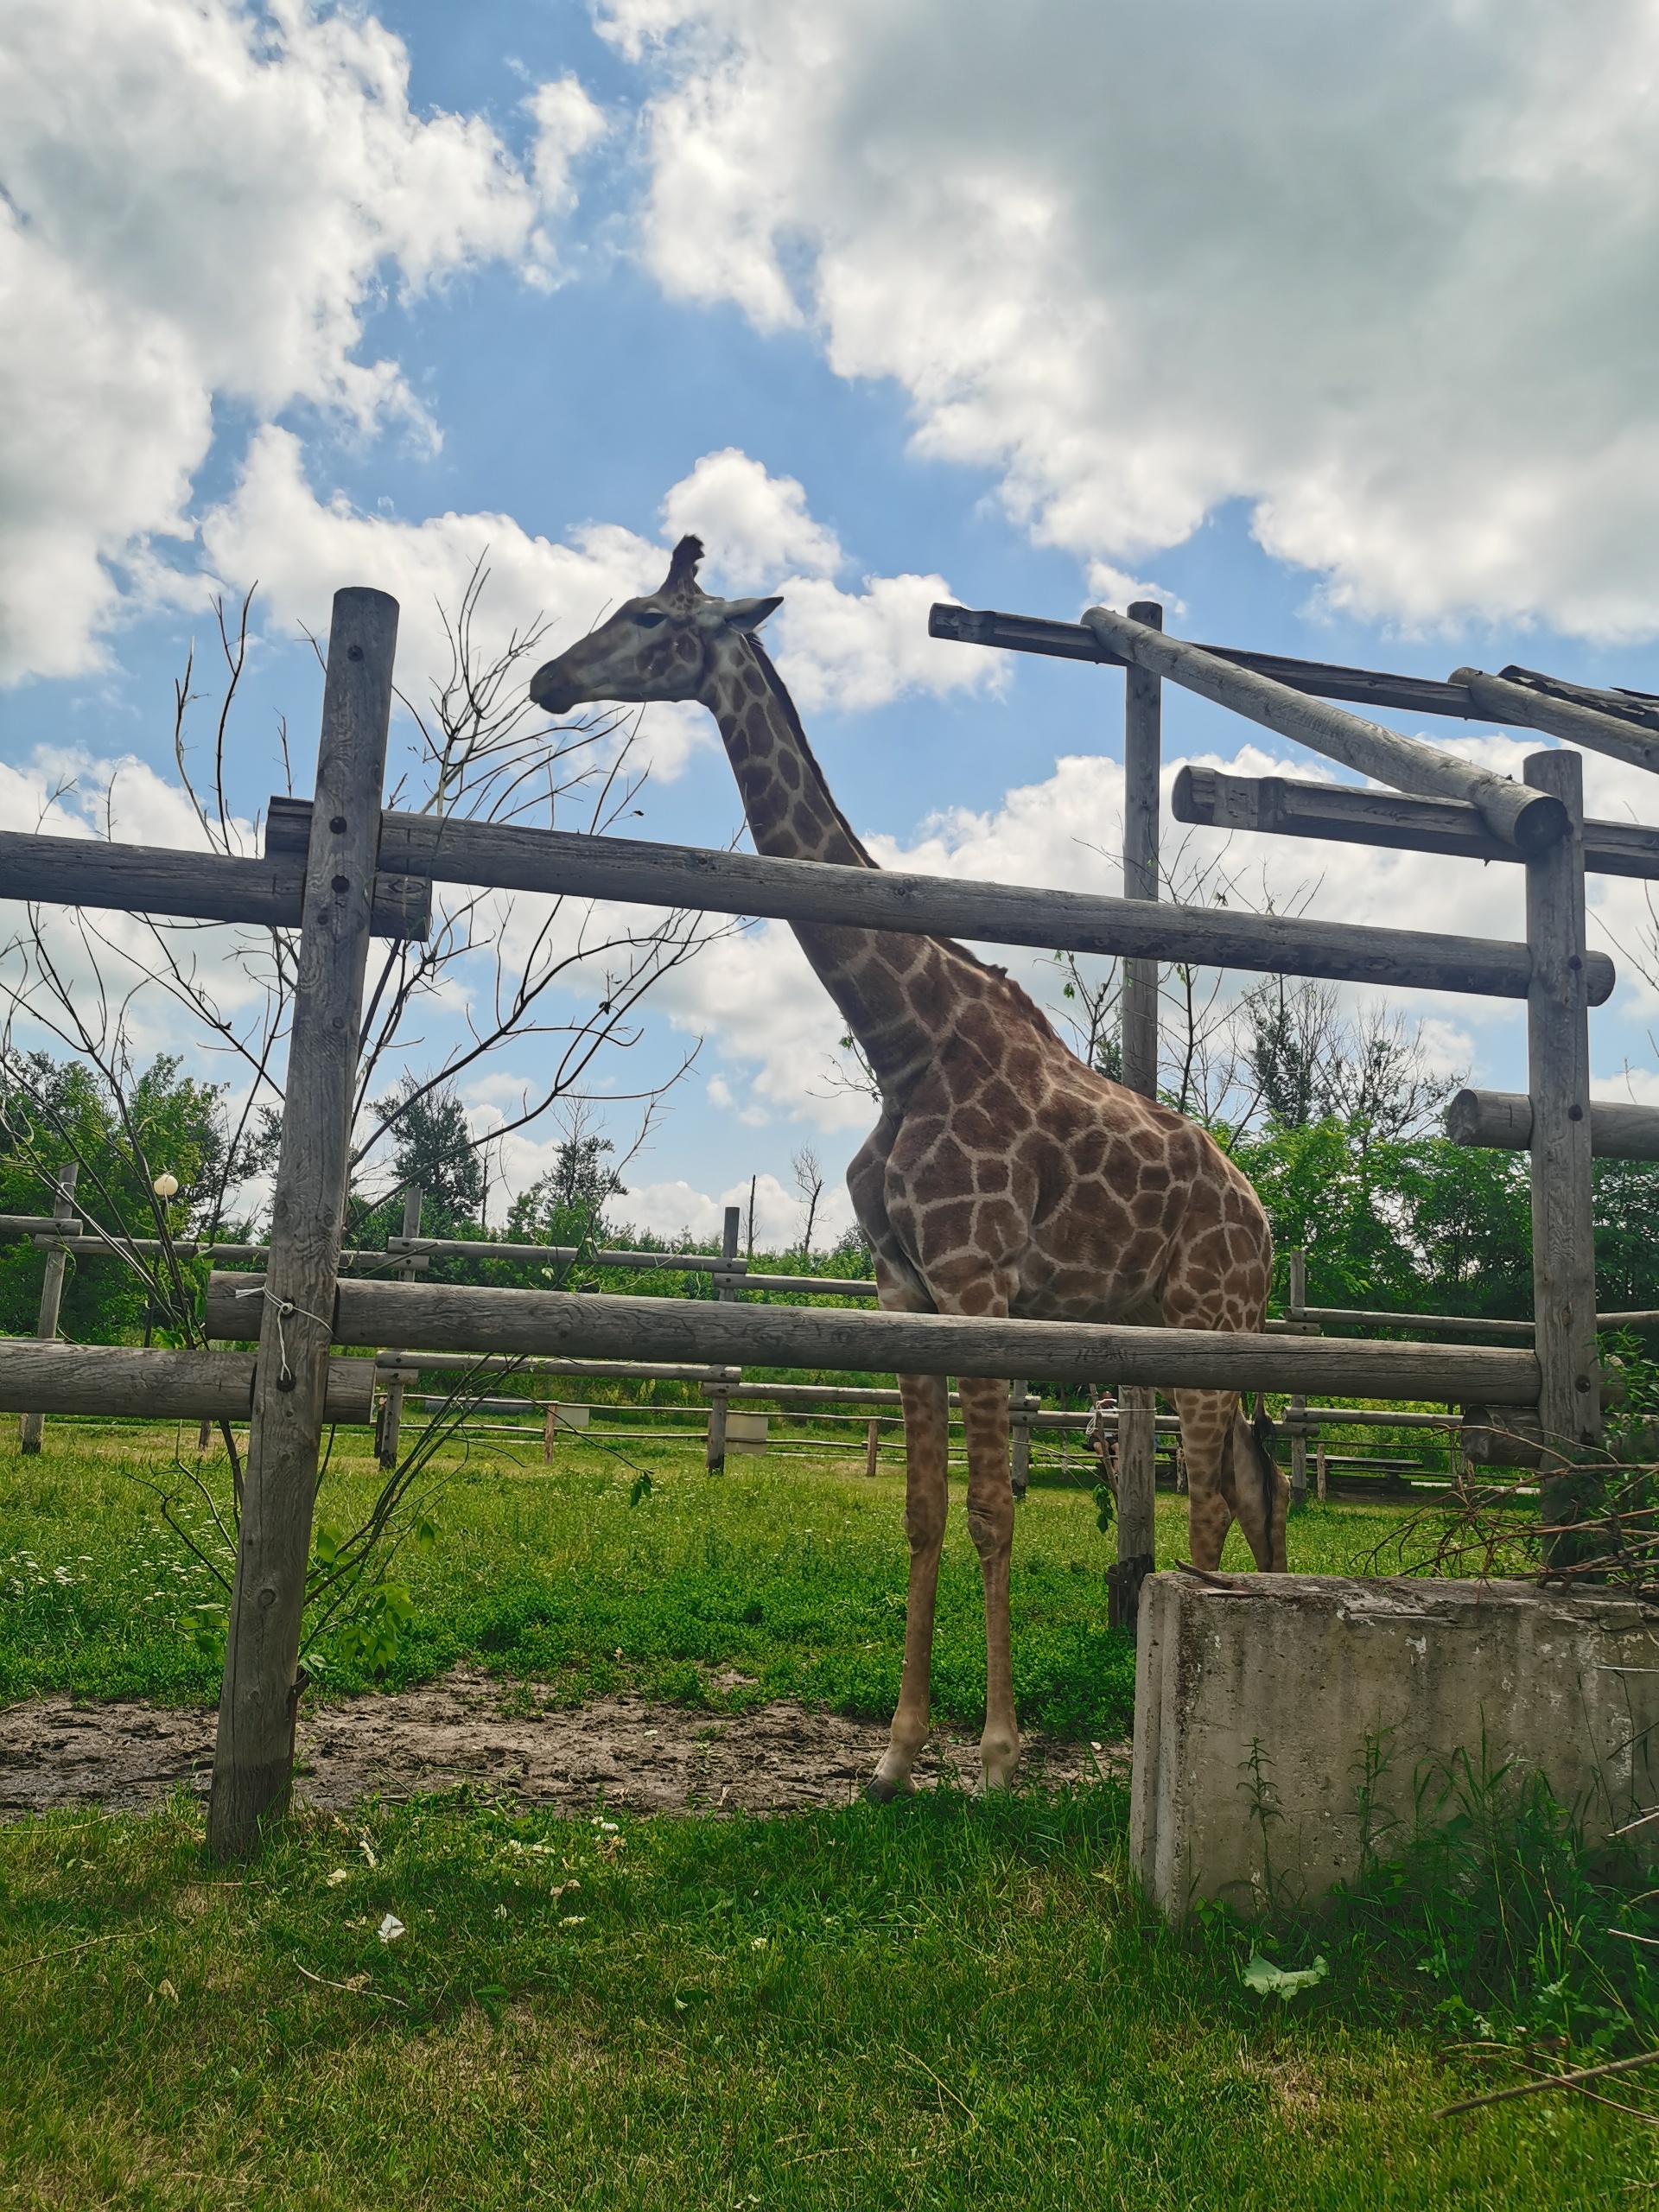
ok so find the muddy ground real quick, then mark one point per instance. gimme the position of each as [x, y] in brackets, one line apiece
[511, 1740]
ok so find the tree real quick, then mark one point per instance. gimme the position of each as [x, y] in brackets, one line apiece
[809, 1181]
[567, 1205]
[433, 1152]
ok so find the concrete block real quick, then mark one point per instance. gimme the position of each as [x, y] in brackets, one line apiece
[746, 1432]
[1303, 1671]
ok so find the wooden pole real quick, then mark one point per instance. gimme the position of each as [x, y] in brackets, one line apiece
[871, 1438]
[254, 1754]
[1019, 1413]
[1137, 1435]
[1293, 1311]
[391, 1413]
[1558, 1082]
[715, 1456]
[31, 1426]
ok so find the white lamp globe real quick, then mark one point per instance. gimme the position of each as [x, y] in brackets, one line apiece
[166, 1187]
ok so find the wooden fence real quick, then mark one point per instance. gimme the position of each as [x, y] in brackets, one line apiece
[345, 868]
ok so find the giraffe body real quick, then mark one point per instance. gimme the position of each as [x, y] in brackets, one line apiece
[1003, 1178]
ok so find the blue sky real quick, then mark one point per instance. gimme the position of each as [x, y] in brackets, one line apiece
[1042, 333]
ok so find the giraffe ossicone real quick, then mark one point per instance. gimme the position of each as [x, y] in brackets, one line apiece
[1003, 1178]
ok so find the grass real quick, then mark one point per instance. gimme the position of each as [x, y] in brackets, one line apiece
[788, 1571]
[937, 2004]
[944, 2003]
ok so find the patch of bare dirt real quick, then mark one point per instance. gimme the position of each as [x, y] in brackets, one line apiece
[511, 1740]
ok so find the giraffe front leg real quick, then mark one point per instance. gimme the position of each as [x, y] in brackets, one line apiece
[926, 1441]
[1206, 1417]
[991, 1523]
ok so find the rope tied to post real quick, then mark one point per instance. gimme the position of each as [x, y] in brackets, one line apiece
[285, 1307]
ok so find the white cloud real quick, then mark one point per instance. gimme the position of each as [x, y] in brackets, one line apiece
[754, 526]
[1382, 274]
[201, 202]
[836, 649]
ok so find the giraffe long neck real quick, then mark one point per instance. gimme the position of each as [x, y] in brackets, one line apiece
[899, 995]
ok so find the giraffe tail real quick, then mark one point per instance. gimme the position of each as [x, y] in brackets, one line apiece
[1259, 1437]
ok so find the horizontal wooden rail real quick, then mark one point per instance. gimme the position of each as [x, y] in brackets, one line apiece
[455, 1317]
[1282, 806]
[733, 1273]
[1361, 1317]
[155, 1385]
[1530, 819]
[1500, 1120]
[690, 876]
[188, 885]
[37, 1224]
[556, 862]
[1033, 633]
[1640, 709]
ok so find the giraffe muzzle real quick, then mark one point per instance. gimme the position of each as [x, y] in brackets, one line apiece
[554, 691]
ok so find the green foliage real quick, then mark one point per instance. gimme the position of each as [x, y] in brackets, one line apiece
[567, 1206]
[1505, 1911]
[433, 1150]
[51, 1113]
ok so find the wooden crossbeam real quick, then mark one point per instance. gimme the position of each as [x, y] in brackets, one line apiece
[1501, 1122]
[458, 1317]
[1284, 806]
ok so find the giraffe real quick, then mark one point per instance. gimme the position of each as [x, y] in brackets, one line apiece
[1003, 1176]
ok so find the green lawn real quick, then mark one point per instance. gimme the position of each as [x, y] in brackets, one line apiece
[943, 2003]
[790, 1570]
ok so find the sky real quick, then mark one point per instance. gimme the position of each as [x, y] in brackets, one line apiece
[1330, 327]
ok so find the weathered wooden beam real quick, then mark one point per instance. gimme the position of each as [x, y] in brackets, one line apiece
[559, 862]
[32, 1428]
[38, 1225]
[1035, 633]
[191, 887]
[1282, 806]
[155, 1385]
[1531, 820]
[1639, 707]
[1501, 1122]
[564, 1256]
[1558, 1081]
[253, 1757]
[456, 1318]
[1564, 718]
[1137, 1437]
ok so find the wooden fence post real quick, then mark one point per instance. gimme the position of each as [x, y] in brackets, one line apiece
[1297, 1300]
[1137, 1435]
[715, 1458]
[31, 1427]
[1019, 1437]
[253, 1758]
[391, 1410]
[872, 1436]
[1558, 1081]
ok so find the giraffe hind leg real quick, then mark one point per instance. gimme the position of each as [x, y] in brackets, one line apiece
[1206, 1418]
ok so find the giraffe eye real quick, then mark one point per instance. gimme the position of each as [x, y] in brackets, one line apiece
[648, 619]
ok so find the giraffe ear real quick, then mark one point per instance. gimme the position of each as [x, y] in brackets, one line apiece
[749, 613]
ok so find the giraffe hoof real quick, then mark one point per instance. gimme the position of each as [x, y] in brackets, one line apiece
[878, 1791]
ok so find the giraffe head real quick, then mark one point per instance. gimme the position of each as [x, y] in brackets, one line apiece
[663, 646]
